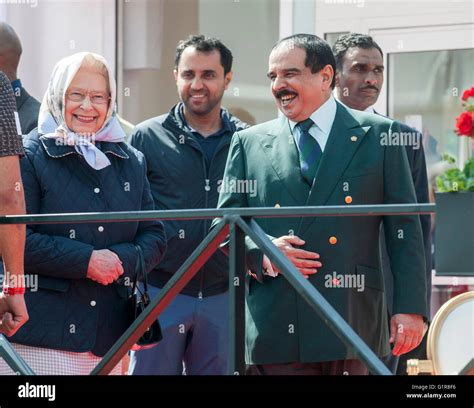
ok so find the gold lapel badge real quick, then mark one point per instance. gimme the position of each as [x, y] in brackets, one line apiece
[353, 138]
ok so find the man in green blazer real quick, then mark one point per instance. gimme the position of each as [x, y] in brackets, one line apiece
[338, 157]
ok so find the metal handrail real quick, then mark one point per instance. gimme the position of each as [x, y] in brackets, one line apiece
[256, 212]
[240, 222]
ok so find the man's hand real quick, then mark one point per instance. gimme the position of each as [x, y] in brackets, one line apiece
[13, 313]
[303, 260]
[406, 331]
[104, 267]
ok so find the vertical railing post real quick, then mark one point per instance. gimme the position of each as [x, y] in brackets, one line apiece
[237, 282]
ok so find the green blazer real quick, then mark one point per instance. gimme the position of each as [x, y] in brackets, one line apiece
[280, 326]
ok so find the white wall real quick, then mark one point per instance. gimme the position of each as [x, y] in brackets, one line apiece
[249, 28]
[363, 16]
[151, 90]
[54, 29]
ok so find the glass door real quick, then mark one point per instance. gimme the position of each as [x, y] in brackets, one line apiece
[427, 71]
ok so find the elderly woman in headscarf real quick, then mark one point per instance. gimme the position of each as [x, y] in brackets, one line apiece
[77, 161]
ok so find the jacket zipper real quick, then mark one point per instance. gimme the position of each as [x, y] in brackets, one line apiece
[201, 283]
[207, 189]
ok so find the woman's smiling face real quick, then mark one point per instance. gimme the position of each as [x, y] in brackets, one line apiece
[87, 101]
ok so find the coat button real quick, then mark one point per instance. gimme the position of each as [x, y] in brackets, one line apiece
[333, 240]
[97, 190]
[101, 228]
[348, 199]
[93, 303]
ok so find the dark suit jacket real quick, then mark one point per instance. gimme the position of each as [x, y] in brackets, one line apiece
[280, 326]
[417, 163]
[28, 111]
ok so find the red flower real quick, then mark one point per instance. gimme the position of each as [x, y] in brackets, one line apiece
[468, 93]
[464, 124]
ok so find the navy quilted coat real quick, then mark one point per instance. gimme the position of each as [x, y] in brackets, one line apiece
[69, 311]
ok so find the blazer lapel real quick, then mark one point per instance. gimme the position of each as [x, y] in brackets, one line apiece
[344, 139]
[280, 149]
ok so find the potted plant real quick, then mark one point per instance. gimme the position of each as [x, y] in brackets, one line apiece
[455, 202]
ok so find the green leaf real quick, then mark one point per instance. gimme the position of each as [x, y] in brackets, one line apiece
[450, 159]
[453, 180]
[469, 168]
[470, 184]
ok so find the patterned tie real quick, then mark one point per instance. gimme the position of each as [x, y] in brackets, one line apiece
[310, 151]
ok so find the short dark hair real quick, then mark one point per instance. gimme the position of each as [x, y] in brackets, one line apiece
[206, 45]
[346, 41]
[318, 52]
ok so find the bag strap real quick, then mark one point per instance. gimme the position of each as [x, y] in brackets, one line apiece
[140, 271]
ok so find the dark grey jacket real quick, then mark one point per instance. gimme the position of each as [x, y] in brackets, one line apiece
[179, 178]
[28, 111]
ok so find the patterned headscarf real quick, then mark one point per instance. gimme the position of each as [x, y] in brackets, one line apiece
[52, 121]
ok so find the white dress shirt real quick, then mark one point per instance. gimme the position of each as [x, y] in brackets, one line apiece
[323, 119]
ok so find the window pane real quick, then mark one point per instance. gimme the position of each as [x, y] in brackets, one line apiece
[235, 22]
[425, 89]
[248, 27]
[332, 37]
